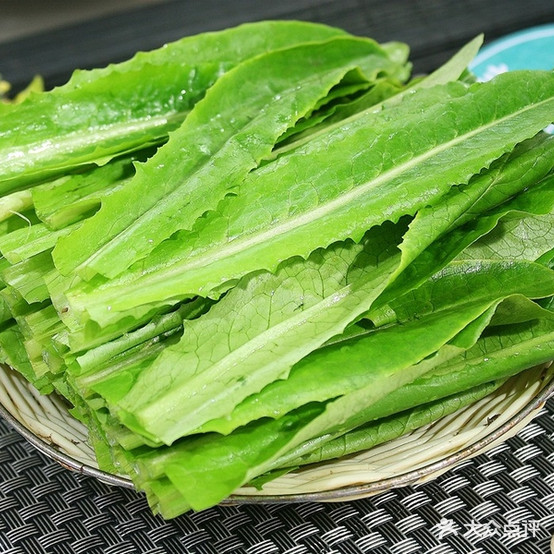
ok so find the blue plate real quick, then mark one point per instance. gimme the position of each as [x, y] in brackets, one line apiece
[529, 49]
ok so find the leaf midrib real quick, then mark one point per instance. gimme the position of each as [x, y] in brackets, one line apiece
[238, 245]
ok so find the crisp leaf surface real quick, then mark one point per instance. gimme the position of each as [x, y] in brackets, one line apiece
[331, 196]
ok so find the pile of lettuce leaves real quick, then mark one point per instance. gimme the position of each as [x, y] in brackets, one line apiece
[247, 250]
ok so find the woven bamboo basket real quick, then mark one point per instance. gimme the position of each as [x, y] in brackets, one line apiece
[419, 456]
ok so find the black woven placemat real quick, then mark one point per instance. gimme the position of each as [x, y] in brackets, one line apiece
[499, 502]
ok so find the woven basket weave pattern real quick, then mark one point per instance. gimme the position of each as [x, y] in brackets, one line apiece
[416, 457]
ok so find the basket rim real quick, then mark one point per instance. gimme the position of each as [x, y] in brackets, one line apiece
[342, 493]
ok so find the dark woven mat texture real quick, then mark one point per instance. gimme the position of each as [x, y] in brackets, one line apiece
[499, 502]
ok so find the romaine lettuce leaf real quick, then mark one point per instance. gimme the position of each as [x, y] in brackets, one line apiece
[122, 107]
[332, 196]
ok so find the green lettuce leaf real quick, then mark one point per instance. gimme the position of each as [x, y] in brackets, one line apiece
[125, 106]
[333, 196]
[77, 196]
[256, 333]
[331, 371]
[209, 156]
[500, 353]
[386, 429]
[209, 467]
